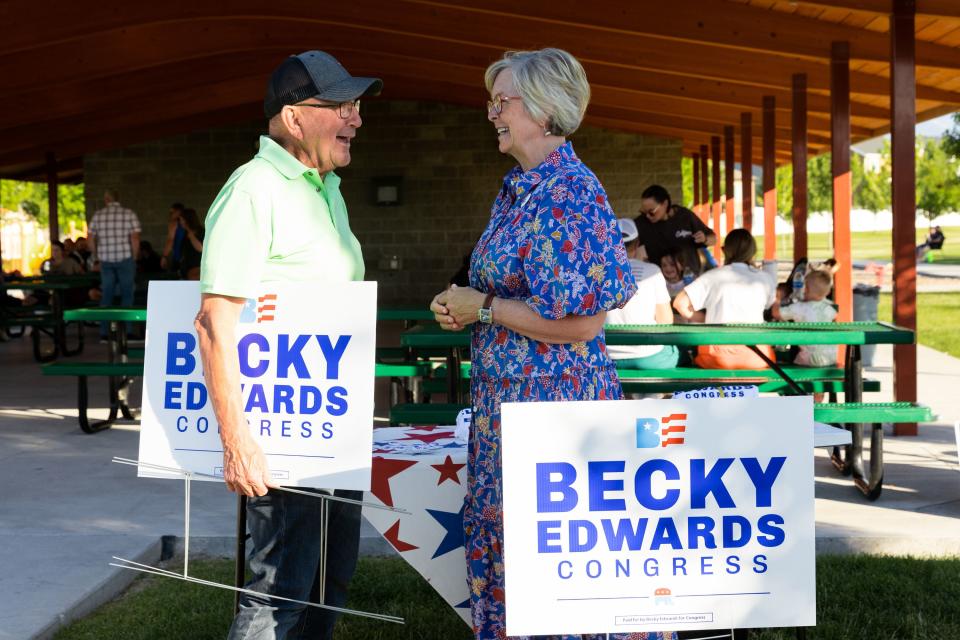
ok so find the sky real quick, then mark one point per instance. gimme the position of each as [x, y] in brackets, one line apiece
[935, 127]
[931, 128]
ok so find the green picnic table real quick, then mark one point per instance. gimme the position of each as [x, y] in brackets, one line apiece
[408, 315]
[108, 314]
[52, 321]
[120, 368]
[852, 335]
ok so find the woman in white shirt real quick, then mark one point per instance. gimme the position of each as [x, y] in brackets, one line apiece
[737, 292]
[649, 305]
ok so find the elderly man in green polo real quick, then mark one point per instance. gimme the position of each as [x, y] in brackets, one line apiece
[280, 218]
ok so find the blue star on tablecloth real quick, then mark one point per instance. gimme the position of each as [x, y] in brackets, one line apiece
[453, 524]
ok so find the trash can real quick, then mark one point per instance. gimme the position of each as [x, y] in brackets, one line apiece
[866, 297]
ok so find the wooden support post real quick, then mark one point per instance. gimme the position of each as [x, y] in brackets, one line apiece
[704, 186]
[840, 169]
[746, 168]
[769, 178]
[696, 184]
[715, 208]
[799, 166]
[728, 178]
[903, 120]
[52, 197]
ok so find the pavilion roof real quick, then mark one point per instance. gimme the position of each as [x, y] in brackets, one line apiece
[97, 74]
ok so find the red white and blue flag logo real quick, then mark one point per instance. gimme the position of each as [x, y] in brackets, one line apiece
[266, 307]
[663, 432]
[257, 310]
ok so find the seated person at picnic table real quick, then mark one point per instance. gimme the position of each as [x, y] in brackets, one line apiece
[667, 227]
[933, 241]
[737, 292]
[60, 263]
[815, 307]
[649, 305]
[671, 265]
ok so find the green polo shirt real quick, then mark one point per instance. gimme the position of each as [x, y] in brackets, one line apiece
[275, 220]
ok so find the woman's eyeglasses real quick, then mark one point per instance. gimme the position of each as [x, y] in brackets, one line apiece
[651, 212]
[497, 103]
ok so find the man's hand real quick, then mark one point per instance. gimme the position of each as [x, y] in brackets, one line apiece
[245, 468]
[700, 237]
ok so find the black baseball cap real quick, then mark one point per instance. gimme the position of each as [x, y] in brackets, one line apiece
[314, 74]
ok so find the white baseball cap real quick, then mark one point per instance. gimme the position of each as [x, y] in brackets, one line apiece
[628, 228]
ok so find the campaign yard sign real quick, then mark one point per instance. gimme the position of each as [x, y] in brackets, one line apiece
[655, 515]
[306, 358]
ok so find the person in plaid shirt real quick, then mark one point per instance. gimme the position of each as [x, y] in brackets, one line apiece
[115, 243]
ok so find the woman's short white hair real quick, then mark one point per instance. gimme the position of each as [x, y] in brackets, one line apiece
[551, 82]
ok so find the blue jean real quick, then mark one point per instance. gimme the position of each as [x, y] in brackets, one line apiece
[116, 278]
[286, 537]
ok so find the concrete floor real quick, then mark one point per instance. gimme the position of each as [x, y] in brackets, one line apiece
[67, 508]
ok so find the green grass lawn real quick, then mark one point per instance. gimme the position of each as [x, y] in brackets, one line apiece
[164, 608]
[938, 316]
[870, 245]
[858, 598]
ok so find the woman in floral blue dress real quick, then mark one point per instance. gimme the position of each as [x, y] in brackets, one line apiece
[542, 276]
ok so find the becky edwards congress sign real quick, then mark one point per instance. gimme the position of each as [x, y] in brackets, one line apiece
[306, 355]
[653, 515]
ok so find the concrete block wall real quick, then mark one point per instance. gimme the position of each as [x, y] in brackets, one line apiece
[446, 155]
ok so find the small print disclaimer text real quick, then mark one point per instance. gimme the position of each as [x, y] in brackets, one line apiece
[663, 618]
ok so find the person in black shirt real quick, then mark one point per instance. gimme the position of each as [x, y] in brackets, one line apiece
[667, 227]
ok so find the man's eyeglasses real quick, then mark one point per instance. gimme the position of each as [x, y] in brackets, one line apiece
[497, 103]
[346, 109]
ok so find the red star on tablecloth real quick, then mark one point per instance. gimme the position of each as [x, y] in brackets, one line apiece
[429, 437]
[448, 470]
[392, 535]
[383, 470]
[432, 427]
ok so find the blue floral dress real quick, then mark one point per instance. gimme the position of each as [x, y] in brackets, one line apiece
[553, 242]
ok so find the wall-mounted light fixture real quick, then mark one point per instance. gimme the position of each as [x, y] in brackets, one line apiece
[388, 191]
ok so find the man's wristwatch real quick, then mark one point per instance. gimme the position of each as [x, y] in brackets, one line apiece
[485, 312]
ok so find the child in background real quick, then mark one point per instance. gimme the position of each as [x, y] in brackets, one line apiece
[815, 307]
[671, 265]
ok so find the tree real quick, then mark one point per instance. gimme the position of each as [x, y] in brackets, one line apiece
[31, 198]
[819, 184]
[686, 169]
[938, 188]
[871, 189]
[951, 138]
[784, 184]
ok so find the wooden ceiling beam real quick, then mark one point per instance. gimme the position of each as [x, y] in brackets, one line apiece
[685, 124]
[935, 8]
[85, 142]
[145, 23]
[64, 103]
[727, 24]
[690, 149]
[216, 96]
[40, 69]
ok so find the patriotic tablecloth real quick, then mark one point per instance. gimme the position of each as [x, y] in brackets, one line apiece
[423, 470]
